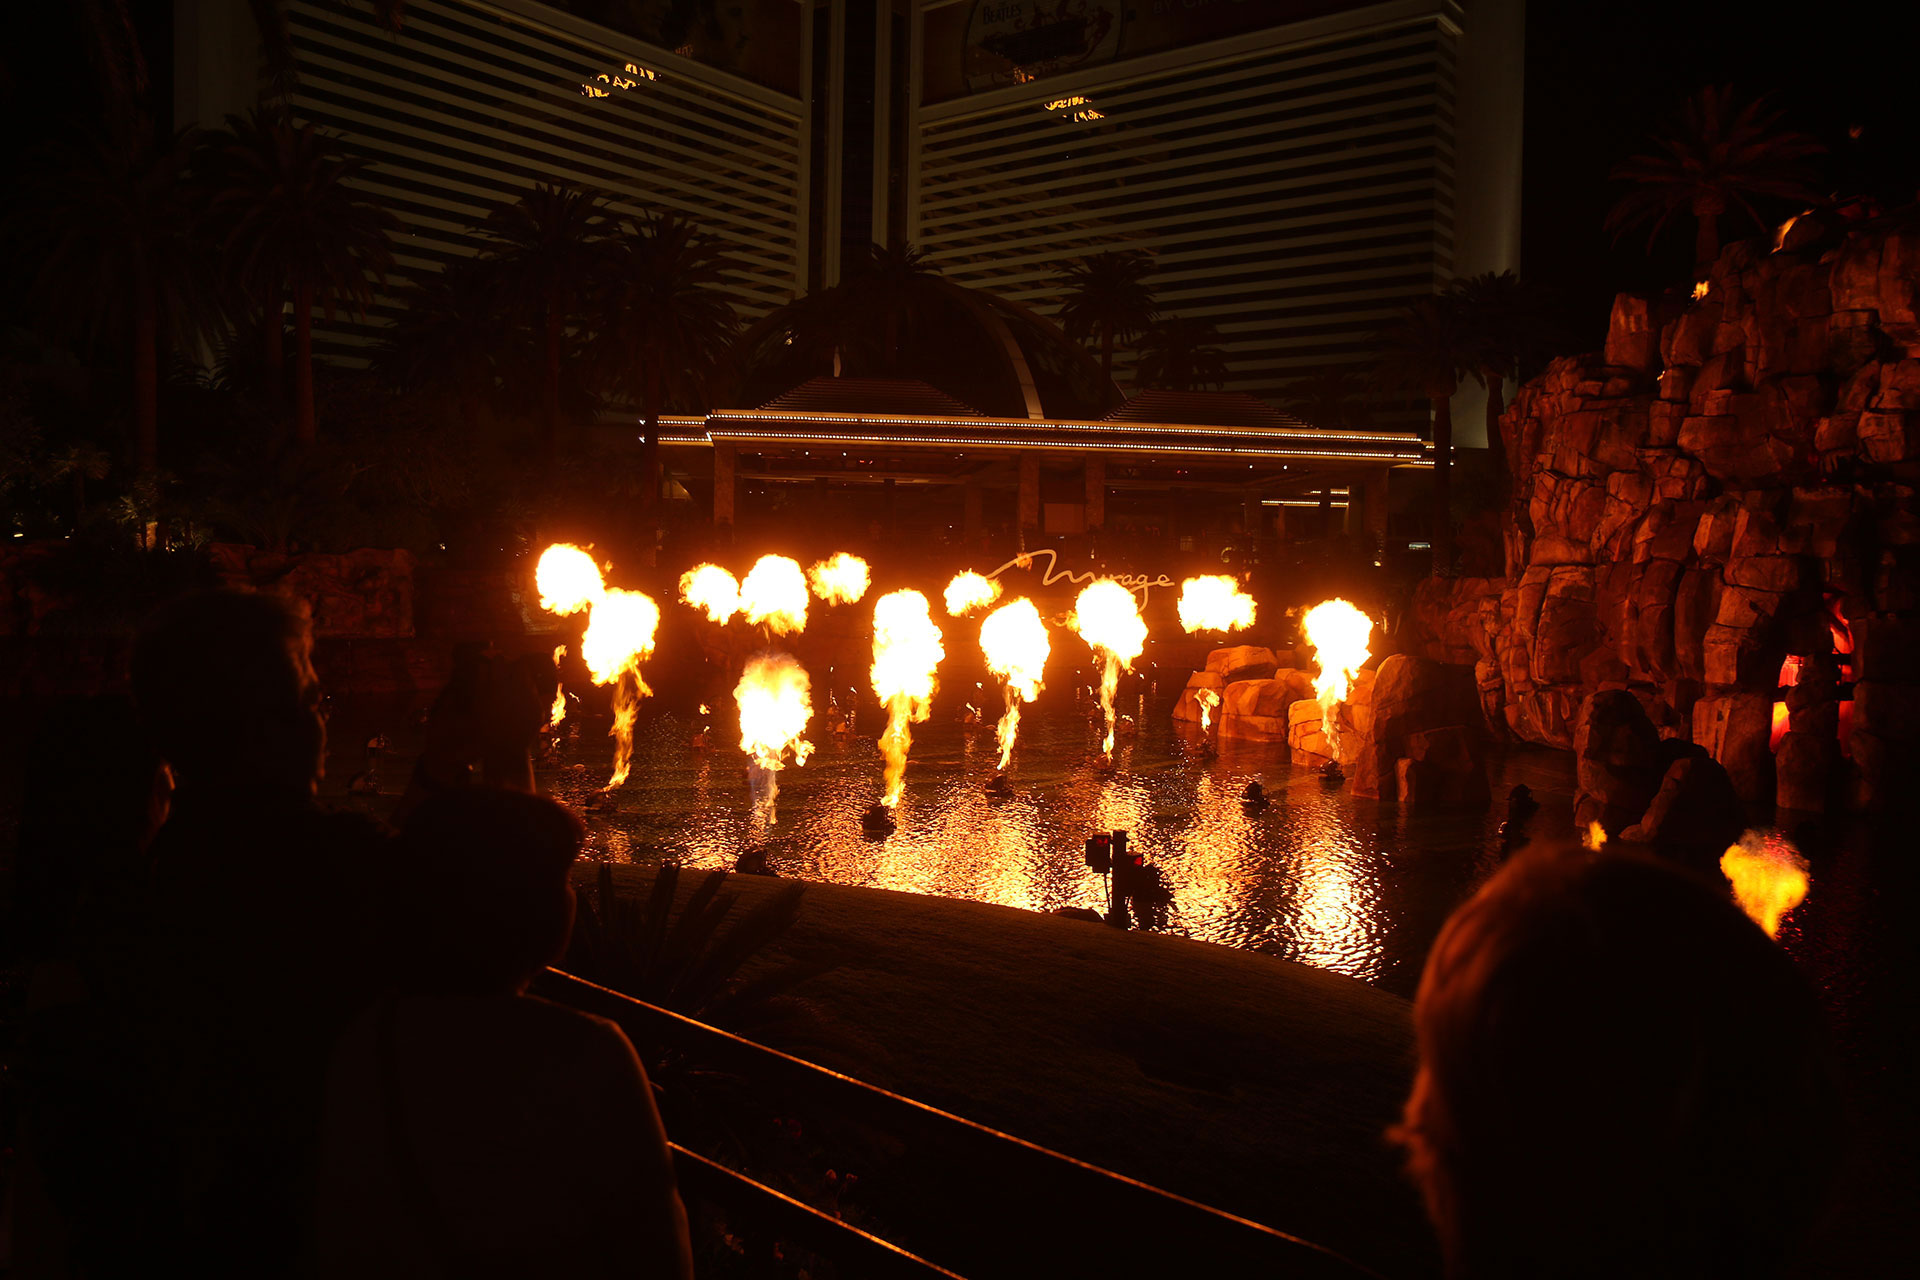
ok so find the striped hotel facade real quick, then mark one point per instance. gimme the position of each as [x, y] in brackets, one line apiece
[474, 102]
[1296, 185]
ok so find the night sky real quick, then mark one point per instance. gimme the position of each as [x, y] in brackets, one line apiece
[1598, 77]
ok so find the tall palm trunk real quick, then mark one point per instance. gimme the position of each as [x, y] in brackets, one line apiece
[1106, 351]
[1706, 233]
[1442, 516]
[274, 328]
[1497, 444]
[650, 474]
[303, 427]
[556, 332]
[146, 376]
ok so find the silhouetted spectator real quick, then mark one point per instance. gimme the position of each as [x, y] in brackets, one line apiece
[472, 1130]
[269, 934]
[1620, 1075]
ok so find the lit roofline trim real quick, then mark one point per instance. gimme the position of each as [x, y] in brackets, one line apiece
[1071, 445]
[1306, 431]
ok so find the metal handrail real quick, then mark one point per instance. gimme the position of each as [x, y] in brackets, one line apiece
[1015, 1210]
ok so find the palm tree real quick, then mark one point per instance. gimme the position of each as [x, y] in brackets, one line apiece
[1181, 354]
[1511, 331]
[1107, 295]
[292, 229]
[1428, 352]
[446, 338]
[122, 258]
[544, 253]
[664, 327]
[1336, 397]
[1719, 153]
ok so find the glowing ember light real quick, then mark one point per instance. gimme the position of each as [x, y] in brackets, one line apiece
[841, 580]
[712, 589]
[1699, 290]
[620, 632]
[1338, 633]
[559, 690]
[1214, 603]
[1595, 836]
[1108, 618]
[1208, 700]
[969, 591]
[568, 579]
[1015, 643]
[775, 700]
[1769, 878]
[906, 652]
[775, 593]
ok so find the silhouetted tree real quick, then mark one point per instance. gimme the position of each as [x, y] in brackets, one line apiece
[664, 327]
[544, 253]
[292, 228]
[122, 257]
[1335, 397]
[1107, 297]
[1719, 153]
[448, 339]
[1428, 352]
[1510, 329]
[1181, 354]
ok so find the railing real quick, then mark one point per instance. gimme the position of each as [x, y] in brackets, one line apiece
[1016, 1208]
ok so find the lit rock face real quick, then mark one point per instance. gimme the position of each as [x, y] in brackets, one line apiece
[1696, 503]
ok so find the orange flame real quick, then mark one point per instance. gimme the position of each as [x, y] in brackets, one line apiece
[906, 653]
[775, 593]
[1338, 633]
[559, 690]
[1595, 836]
[568, 579]
[1769, 878]
[841, 580]
[1108, 618]
[1215, 603]
[711, 589]
[1015, 643]
[775, 702]
[1208, 700]
[969, 591]
[620, 632]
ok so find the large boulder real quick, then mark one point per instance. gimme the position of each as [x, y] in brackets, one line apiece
[1695, 815]
[1258, 710]
[1804, 769]
[1736, 728]
[1188, 707]
[1412, 694]
[1443, 769]
[1617, 761]
[1242, 662]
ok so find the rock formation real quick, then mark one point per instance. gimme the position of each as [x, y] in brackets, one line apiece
[1728, 486]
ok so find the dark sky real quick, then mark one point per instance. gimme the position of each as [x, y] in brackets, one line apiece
[1599, 76]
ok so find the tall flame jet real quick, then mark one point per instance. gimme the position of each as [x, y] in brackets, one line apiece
[1108, 618]
[1338, 633]
[1215, 603]
[774, 592]
[775, 702]
[1014, 641]
[621, 626]
[906, 653]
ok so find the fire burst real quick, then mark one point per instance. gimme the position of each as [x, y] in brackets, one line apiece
[620, 632]
[841, 580]
[906, 652]
[1338, 633]
[1214, 603]
[775, 593]
[1769, 878]
[559, 689]
[969, 591]
[1208, 700]
[775, 701]
[1015, 643]
[1108, 619]
[711, 589]
[568, 579]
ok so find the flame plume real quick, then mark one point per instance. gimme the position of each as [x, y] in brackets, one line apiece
[568, 579]
[1595, 836]
[775, 593]
[1015, 643]
[712, 589]
[1108, 618]
[969, 591]
[620, 632]
[1769, 878]
[1338, 633]
[841, 580]
[906, 652]
[1208, 700]
[559, 689]
[1214, 603]
[776, 701]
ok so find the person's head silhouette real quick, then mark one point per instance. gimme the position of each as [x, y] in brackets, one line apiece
[1620, 1074]
[225, 685]
[489, 893]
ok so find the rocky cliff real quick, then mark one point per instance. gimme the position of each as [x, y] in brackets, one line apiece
[1716, 515]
